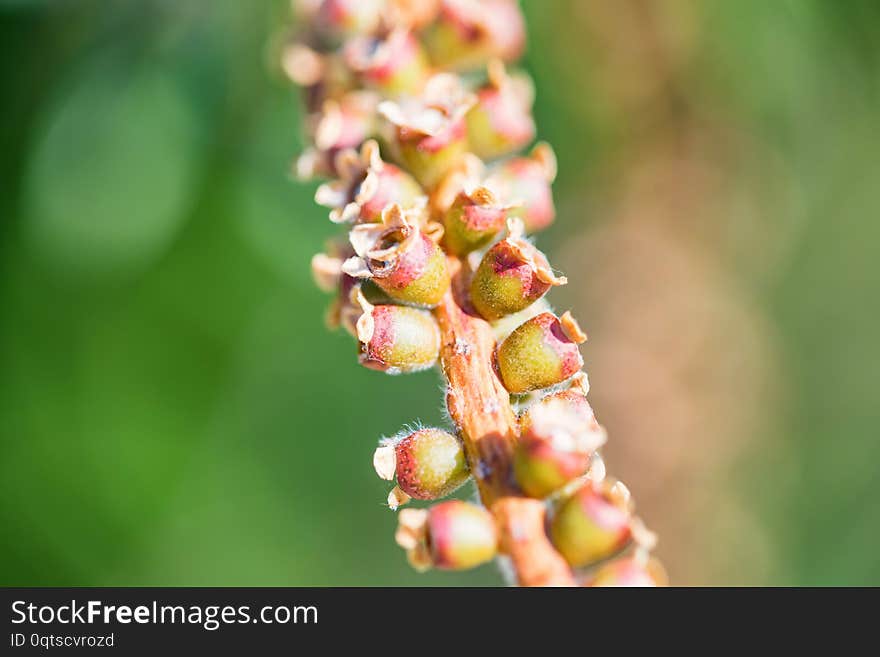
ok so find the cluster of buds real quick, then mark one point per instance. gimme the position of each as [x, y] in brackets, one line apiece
[418, 123]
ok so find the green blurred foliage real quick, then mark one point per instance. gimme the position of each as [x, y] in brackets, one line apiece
[172, 410]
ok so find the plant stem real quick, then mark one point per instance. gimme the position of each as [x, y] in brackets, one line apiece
[480, 408]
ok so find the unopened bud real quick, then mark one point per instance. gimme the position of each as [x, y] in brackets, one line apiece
[527, 181]
[452, 535]
[428, 463]
[594, 523]
[555, 447]
[511, 276]
[501, 121]
[397, 339]
[540, 353]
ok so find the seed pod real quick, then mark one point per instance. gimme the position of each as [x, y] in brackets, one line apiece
[428, 463]
[631, 571]
[452, 535]
[468, 33]
[540, 353]
[527, 181]
[396, 339]
[428, 134]
[341, 124]
[366, 186]
[555, 447]
[594, 523]
[393, 64]
[511, 276]
[472, 221]
[400, 257]
[501, 121]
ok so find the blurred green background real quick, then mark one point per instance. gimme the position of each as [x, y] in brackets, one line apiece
[173, 411]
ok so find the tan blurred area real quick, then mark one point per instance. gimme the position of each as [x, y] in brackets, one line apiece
[682, 360]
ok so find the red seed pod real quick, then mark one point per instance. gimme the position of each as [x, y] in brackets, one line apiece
[468, 33]
[594, 523]
[527, 181]
[428, 133]
[635, 571]
[511, 276]
[393, 63]
[540, 353]
[555, 447]
[366, 186]
[501, 121]
[428, 464]
[396, 339]
[400, 257]
[451, 535]
[341, 124]
[473, 220]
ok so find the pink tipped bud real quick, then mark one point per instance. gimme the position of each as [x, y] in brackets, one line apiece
[428, 463]
[397, 339]
[511, 277]
[592, 524]
[540, 353]
[472, 221]
[468, 33]
[393, 64]
[633, 572]
[501, 121]
[452, 535]
[555, 448]
[527, 181]
[428, 133]
[400, 257]
[366, 186]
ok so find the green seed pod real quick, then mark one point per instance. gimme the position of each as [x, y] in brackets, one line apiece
[400, 257]
[633, 571]
[592, 524]
[472, 221]
[511, 277]
[540, 353]
[452, 535]
[501, 121]
[428, 463]
[428, 134]
[555, 448]
[396, 339]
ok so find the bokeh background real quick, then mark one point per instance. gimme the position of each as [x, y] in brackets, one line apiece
[173, 412]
